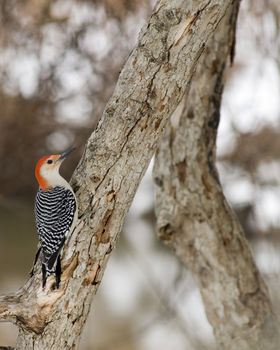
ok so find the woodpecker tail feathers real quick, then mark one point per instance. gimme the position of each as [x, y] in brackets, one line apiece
[51, 269]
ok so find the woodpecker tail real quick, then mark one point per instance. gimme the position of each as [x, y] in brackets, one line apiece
[54, 269]
[31, 273]
[57, 272]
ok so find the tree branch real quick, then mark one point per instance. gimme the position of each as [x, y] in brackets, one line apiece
[150, 86]
[193, 216]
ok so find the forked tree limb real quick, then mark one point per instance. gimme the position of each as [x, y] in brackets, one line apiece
[150, 86]
[193, 216]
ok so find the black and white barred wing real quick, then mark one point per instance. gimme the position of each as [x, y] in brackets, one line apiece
[54, 212]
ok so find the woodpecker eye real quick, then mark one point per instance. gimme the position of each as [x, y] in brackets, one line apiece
[49, 161]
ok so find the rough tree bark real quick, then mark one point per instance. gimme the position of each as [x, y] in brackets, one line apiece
[117, 154]
[193, 216]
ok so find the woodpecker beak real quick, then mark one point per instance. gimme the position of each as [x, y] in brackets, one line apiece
[65, 154]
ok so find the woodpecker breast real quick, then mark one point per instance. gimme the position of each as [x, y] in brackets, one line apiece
[55, 211]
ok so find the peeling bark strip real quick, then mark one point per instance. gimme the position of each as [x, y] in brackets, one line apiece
[117, 154]
[193, 216]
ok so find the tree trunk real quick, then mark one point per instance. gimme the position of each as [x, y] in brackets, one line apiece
[117, 154]
[193, 216]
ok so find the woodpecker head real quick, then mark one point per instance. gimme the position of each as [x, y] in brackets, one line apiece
[47, 170]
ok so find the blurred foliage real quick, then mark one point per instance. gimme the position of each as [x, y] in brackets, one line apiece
[58, 66]
[250, 163]
[255, 159]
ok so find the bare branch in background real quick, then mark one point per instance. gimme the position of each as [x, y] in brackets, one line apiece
[193, 216]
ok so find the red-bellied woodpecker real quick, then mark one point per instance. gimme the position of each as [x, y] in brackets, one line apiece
[55, 213]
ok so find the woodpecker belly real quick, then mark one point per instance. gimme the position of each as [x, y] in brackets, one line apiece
[55, 210]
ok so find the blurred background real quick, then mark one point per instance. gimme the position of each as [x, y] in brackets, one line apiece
[59, 61]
